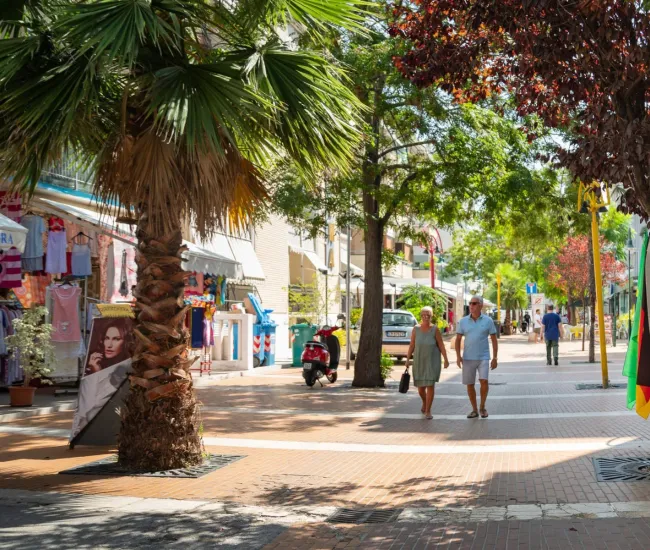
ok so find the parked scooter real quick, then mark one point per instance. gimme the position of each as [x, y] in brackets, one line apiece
[321, 358]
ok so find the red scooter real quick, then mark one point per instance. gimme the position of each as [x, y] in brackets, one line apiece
[321, 358]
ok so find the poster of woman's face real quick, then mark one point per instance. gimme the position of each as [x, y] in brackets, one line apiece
[111, 342]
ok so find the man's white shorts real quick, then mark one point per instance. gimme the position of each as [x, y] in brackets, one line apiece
[471, 367]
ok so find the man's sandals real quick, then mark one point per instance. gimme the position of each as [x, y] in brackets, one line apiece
[474, 414]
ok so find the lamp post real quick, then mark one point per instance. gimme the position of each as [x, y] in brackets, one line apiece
[435, 247]
[630, 248]
[590, 199]
[347, 303]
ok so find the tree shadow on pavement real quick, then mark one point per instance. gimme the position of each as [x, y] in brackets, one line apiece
[69, 521]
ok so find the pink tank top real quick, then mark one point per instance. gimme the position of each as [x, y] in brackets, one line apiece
[65, 319]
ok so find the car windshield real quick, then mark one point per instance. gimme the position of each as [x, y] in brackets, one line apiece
[398, 320]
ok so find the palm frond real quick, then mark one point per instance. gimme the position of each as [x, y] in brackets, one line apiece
[119, 29]
[318, 123]
[205, 104]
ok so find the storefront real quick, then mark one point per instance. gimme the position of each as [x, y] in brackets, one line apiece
[76, 260]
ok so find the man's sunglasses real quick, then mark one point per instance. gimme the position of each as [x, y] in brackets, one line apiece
[474, 303]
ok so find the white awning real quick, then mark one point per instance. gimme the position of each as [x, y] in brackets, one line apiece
[197, 258]
[246, 256]
[205, 261]
[12, 234]
[313, 258]
[358, 284]
[354, 270]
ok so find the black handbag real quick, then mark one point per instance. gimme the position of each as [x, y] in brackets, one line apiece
[404, 382]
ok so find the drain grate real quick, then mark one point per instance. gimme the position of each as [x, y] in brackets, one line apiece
[622, 469]
[109, 467]
[599, 386]
[377, 515]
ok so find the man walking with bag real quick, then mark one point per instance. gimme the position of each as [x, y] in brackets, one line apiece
[476, 328]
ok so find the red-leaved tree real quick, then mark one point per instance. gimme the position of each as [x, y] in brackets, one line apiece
[583, 65]
[570, 272]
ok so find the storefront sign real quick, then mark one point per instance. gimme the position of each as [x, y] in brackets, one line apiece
[116, 310]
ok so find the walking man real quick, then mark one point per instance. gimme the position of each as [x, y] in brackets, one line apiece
[476, 328]
[552, 329]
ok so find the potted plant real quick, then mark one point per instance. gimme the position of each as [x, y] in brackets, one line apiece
[31, 342]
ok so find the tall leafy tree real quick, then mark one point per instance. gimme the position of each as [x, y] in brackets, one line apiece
[582, 66]
[422, 160]
[179, 104]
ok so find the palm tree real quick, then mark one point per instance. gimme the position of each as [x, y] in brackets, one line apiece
[513, 291]
[179, 105]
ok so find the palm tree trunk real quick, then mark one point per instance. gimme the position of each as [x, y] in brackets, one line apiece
[367, 372]
[160, 417]
[508, 323]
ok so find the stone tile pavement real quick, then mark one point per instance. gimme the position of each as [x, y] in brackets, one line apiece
[338, 446]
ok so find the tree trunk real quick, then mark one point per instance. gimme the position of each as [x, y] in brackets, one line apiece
[160, 417]
[367, 371]
[508, 323]
[592, 302]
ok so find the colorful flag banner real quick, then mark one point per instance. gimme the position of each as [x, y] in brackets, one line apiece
[638, 376]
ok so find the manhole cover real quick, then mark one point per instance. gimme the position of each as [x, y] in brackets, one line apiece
[599, 386]
[109, 467]
[347, 515]
[622, 469]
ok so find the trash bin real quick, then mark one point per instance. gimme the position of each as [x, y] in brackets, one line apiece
[301, 333]
[269, 343]
[497, 324]
[258, 344]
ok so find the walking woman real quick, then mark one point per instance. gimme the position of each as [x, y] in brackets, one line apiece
[426, 342]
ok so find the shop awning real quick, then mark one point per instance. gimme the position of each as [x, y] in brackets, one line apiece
[312, 257]
[197, 258]
[205, 261]
[246, 256]
[12, 234]
[354, 270]
[358, 284]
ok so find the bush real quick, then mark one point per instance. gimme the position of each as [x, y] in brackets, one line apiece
[386, 363]
[355, 315]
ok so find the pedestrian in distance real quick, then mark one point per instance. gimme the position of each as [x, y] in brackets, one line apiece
[552, 330]
[477, 328]
[426, 348]
[527, 320]
[537, 327]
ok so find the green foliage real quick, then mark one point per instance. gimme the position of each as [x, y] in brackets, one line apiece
[307, 301]
[614, 226]
[32, 340]
[513, 287]
[386, 365]
[415, 297]
[355, 316]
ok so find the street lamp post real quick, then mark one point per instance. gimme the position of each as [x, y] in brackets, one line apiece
[435, 247]
[630, 248]
[590, 200]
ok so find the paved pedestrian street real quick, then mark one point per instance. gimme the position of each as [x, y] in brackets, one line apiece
[523, 478]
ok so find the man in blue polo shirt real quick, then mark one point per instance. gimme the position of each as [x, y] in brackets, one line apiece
[552, 329]
[476, 328]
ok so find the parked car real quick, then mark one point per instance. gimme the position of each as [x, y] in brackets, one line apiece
[397, 326]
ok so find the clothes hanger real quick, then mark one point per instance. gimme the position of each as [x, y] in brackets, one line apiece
[82, 234]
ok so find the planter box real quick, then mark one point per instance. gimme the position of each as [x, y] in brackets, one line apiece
[21, 396]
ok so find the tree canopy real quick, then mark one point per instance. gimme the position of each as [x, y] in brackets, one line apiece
[580, 66]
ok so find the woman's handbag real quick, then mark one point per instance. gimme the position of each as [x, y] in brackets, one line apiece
[404, 382]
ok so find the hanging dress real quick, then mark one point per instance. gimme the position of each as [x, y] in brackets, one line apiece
[65, 318]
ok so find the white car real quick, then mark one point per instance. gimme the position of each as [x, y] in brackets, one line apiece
[397, 326]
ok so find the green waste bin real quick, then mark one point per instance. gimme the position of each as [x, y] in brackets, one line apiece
[301, 333]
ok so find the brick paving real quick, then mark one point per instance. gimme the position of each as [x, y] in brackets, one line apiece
[384, 475]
